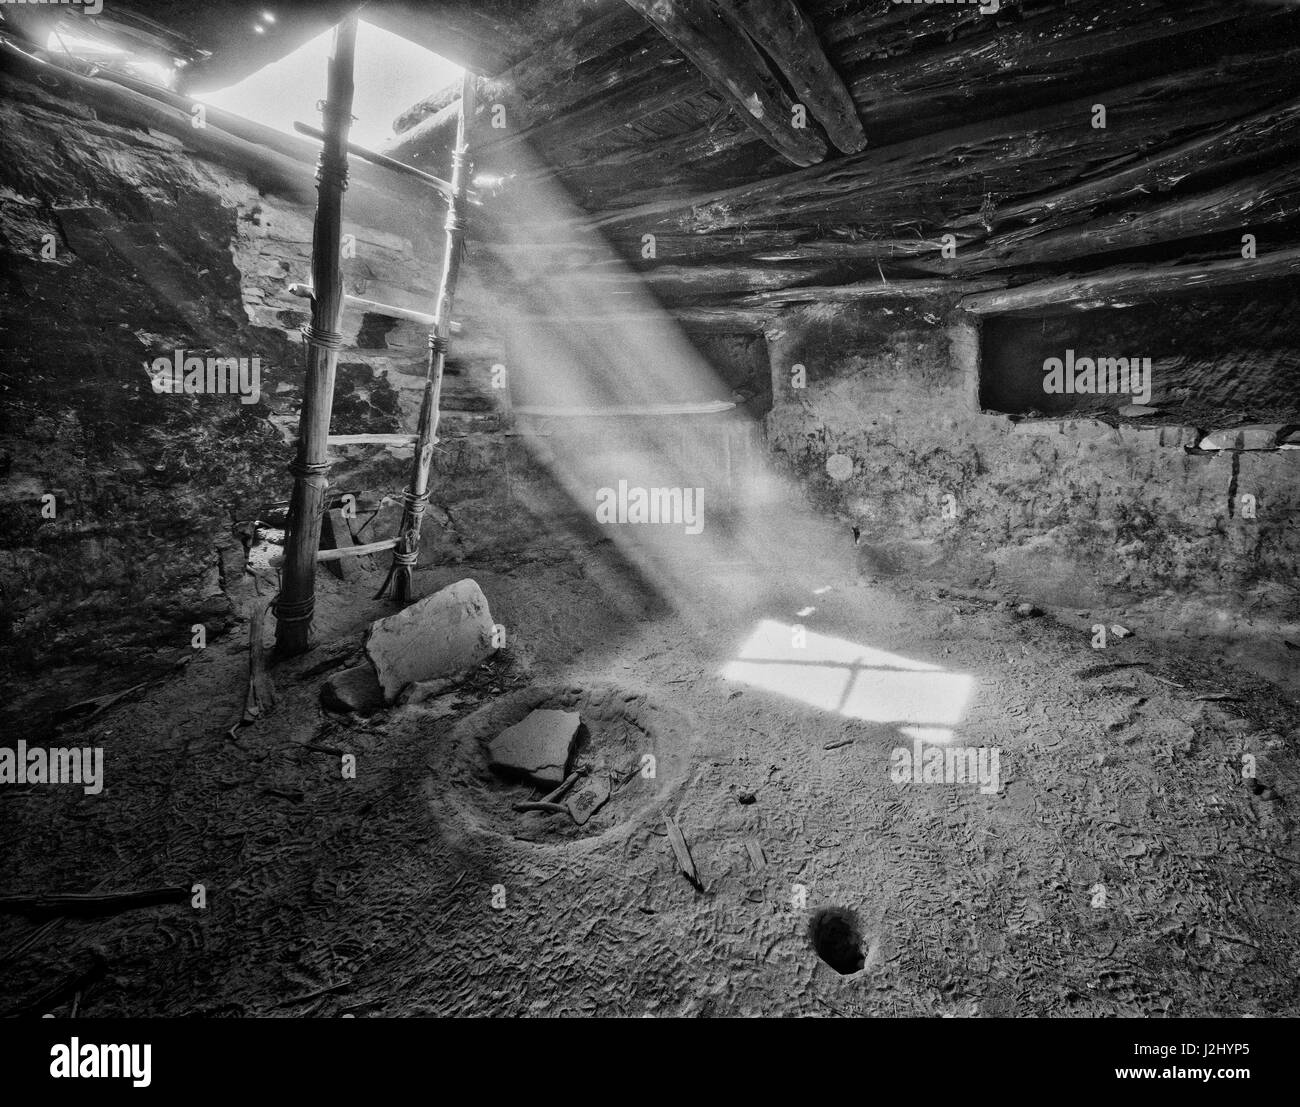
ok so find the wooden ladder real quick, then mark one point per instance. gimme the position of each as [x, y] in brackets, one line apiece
[296, 601]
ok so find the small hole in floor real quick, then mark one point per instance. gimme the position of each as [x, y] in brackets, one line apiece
[836, 938]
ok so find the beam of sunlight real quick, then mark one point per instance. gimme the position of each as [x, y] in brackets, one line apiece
[853, 680]
[613, 398]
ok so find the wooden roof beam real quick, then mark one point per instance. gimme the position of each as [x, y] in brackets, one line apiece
[1122, 287]
[1158, 170]
[781, 28]
[1241, 205]
[734, 66]
[978, 147]
[873, 290]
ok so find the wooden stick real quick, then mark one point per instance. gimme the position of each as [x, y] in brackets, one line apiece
[871, 290]
[548, 802]
[315, 995]
[677, 283]
[86, 904]
[259, 700]
[371, 440]
[88, 709]
[297, 600]
[682, 851]
[416, 496]
[357, 551]
[567, 783]
[335, 441]
[304, 292]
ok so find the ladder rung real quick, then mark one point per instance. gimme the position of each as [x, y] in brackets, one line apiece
[340, 440]
[304, 292]
[371, 440]
[397, 312]
[356, 551]
[375, 158]
[689, 407]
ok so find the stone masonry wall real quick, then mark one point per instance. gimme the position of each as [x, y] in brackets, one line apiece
[119, 246]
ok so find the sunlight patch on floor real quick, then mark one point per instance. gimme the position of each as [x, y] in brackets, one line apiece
[853, 680]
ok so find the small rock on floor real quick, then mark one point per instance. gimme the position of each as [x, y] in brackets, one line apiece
[586, 801]
[355, 689]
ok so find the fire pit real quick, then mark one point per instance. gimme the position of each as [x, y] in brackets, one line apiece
[561, 764]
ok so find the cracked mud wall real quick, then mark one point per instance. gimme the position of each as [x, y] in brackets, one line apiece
[1077, 511]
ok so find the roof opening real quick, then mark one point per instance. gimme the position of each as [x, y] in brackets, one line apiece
[390, 74]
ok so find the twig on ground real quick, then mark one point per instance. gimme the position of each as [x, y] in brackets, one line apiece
[91, 903]
[547, 803]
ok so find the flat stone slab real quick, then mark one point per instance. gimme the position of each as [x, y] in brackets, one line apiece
[586, 800]
[355, 689]
[538, 747]
[440, 635]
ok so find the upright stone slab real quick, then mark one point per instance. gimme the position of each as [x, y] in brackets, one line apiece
[440, 635]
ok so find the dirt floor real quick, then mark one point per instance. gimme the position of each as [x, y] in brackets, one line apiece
[1124, 867]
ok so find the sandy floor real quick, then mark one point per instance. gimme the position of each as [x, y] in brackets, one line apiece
[1122, 868]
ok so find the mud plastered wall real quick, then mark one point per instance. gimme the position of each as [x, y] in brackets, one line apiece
[887, 434]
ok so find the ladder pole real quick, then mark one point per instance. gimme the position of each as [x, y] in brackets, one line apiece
[416, 496]
[297, 600]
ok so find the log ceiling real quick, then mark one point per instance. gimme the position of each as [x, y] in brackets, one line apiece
[922, 120]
